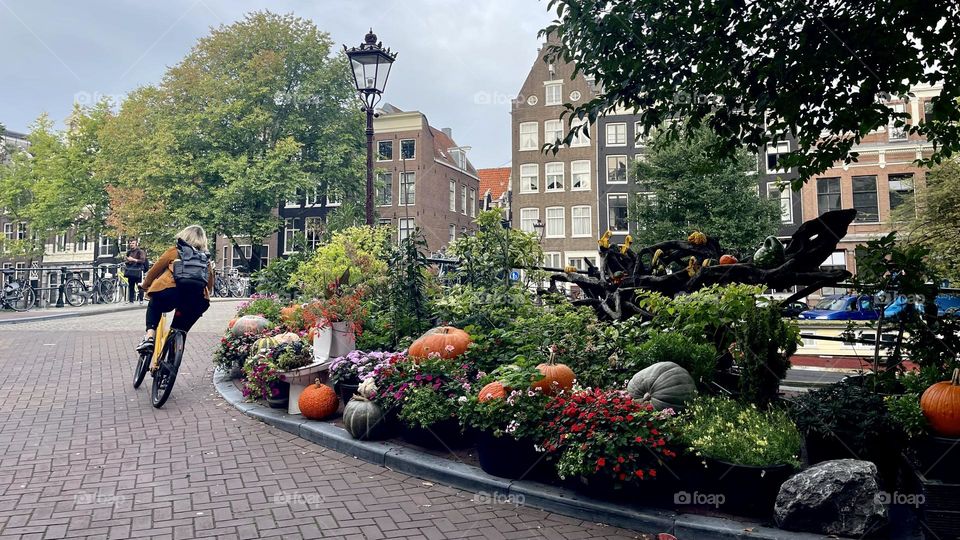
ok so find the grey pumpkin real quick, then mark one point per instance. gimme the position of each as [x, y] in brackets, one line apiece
[664, 384]
[363, 418]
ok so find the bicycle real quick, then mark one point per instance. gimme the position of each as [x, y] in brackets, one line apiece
[17, 295]
[164, 362]
[103, 290]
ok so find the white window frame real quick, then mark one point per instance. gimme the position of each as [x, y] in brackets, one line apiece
[524, 184]
[405, 227]
[529, 140]
[414, 156]
[463, 199]
[290, 229]
[626, 168]
[473, 202]
[313, 235]
[451, 233]
[553, 259]
[554, 222]
[8, 231]
[390, 141]
[553, 87]
[586, 221]
[610, 221]
[528, 217]
[385, 189]
[897, 134]
[574, 165]
[781, 147]
[407, 198]
[580, 139]
[453, 195]
[639, 135]
[785, 196]
[555, 165]
[618, 135]
[552, 131]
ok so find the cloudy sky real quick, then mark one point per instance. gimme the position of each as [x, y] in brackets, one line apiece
[460, 61]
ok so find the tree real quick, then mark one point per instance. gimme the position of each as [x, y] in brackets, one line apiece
[931, 217]
[686, 188]
[756, 72]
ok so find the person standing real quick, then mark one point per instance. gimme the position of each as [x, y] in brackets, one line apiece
[135, 261]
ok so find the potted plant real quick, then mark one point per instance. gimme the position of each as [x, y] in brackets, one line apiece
[347, 372]
[266, 378]
[234, 349]
[338, 320]
[746, 453]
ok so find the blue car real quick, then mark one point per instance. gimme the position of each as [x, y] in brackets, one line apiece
[948, 305]
[843, 307]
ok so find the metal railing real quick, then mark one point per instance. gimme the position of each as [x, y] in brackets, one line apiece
[52, 294]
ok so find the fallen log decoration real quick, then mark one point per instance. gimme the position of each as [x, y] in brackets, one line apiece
[680, 267]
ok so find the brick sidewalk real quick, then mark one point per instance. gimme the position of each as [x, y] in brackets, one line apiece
[83, 454]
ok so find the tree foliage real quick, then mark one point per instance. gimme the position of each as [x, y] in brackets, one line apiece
[756, 72]
[931, 217]
[689, 189]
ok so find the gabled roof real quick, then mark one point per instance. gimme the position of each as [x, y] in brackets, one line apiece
[443, 146]
[496, 181]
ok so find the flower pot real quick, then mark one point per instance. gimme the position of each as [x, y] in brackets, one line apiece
[282, 398]
[236, 371]
[344, 339]
[740, 489]
[440, 436]
[885, 456]
[509, 458]
[346, 391]
[936, 458]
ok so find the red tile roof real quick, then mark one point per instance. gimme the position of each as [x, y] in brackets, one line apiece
[494, 180]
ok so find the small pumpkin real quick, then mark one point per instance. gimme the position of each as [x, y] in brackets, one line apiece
[556, 377]
[728, 259]
[318, 401]
[697, 238]
[446, 341]
[363, 419]
[494, 390]
[288, 337]
[941, 406]
[266, 342]
[664, 385]
[232, 322]
[250, 324]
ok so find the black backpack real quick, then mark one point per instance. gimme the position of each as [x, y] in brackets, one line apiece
[192, 268]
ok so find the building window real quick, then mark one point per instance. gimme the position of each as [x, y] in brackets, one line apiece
[616, 169]
[580, 175]
[528, 217]
[528, 136]
[836, 261]
[774, 151]
[865, 199]
[384, 150]
[554, 176]
[901, 187]
[581, 138]
[407, 226]
[452, 231]
[554, 94]
[291, 227]
[334, 198]
[385, 222]
[408, 191]
[22, 230]
[313, 230]
[553, 259]
[579, 262]
[463, 200]
[408, 149]
[80, 243]
[617, 212]
[59, 243]
[529, 178]
[385, 188]
[786, 200]
[639, 135]
[897, 133]
[580, 216]
[552, 131]
[8, 231]
[828, 195]
[453, 195]
[617, 134]
[555, 226]
[473, 202]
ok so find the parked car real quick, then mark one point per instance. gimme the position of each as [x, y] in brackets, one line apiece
[843, 307]
[948, 305]
[794, 309]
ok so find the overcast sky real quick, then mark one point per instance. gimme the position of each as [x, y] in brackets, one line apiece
[460, 61]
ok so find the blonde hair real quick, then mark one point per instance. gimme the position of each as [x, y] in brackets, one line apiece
[195, 236]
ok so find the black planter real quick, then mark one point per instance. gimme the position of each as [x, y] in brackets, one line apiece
[281, 400]
[738, 489]
[440, 436]
[346, 391]
[507, 457]
[937, 458]
[886, 455]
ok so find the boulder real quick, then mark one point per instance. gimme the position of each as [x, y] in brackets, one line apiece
[840, 497]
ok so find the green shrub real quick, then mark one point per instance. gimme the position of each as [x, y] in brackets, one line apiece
[696, 357]
[266, 306]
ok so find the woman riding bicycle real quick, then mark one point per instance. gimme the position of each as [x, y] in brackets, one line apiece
[168, 290]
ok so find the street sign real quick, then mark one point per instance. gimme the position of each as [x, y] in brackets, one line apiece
[514, 275]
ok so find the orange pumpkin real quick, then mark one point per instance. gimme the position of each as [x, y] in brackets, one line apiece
[556, 377]
[446, 341]
[318, 401]
[494, 390]
[232, 322]
[728, 259]
[941, 405]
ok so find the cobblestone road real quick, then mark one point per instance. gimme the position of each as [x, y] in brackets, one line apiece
[83, 454]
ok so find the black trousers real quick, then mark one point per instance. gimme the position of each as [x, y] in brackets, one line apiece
[133, 289]
[190, 305]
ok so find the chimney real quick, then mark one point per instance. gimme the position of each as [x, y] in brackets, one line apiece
[448, 132]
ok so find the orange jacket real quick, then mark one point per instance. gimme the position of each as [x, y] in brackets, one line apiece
[160, 276]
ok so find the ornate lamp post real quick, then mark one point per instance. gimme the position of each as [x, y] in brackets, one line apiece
[540, 227]
[371, 66]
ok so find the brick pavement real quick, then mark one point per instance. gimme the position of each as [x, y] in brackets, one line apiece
[83, 454]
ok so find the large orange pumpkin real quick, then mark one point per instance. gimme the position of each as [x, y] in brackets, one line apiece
[941, 406]
[318, 401]
[447, 341]
[494, 390]
[556, 377]
[728, 259]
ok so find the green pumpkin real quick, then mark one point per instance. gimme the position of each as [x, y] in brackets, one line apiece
[364, 419]
[250, 324]
[264, 343]
[664, 385]
[770, 254]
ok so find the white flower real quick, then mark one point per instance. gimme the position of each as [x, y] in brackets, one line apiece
[462, 399]
[512, 426]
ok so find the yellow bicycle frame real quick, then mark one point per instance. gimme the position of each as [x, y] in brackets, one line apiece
[163, 332]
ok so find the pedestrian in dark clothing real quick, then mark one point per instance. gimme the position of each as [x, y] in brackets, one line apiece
[136, 262]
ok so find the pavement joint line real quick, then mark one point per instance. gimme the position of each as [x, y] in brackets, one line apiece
[473, 479]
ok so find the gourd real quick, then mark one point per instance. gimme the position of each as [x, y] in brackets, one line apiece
[697, 238]
[367, 389]
[770, 254]
[250, 324]
[728, 259]
[494, 390]
[556, 377]
[363, 418]
[446, 341]
[664, 385]
[318, 401]
[941, 406]
[288, 337]
[265, 343]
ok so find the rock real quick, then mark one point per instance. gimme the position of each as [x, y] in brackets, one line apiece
[840, 497]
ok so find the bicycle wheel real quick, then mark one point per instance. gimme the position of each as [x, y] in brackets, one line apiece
[234, 288]
[107, 291]
[75, 292]
[220, 288]
[139, 372]
[22, 299]
[166, 373]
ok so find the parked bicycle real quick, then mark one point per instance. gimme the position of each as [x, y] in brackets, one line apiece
[18, 295]
[102, 291]
[231, 284]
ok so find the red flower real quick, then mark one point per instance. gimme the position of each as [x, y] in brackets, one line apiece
[620, 459]
[622, 477]
[653, 473]
[601, 462]
[639, 473]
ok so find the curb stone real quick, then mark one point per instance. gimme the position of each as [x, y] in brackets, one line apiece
[470, 478]
[117, 309]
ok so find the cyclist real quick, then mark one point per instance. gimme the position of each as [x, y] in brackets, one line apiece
[189, 297]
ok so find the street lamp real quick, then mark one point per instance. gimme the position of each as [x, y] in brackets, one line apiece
[539, 227]
[371, 66]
